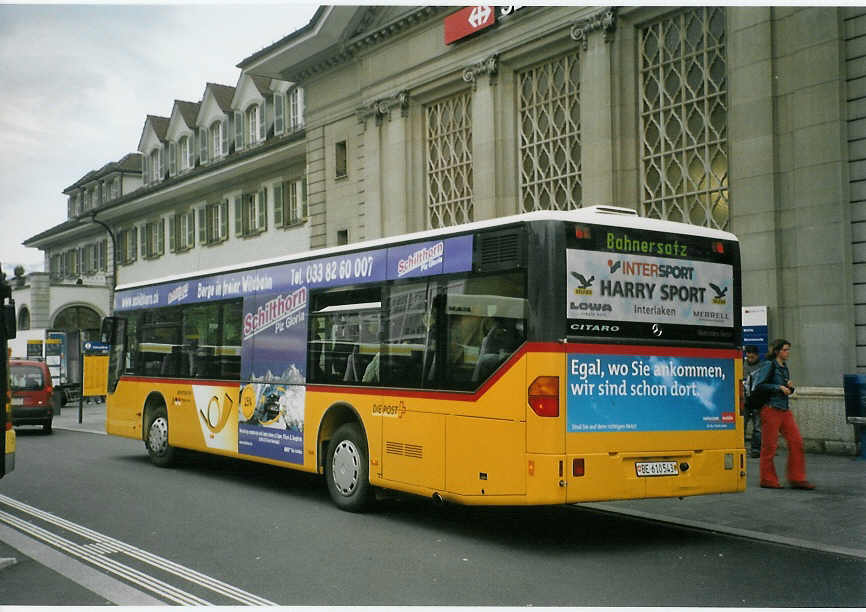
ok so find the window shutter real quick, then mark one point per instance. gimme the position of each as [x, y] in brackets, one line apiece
[224, 138]
[172, 158]
[263, 209]
[299, 121]
[190, 150]
[224, 219]
[162, 162]
[303, 188]
[160, 241]
[133, 250]
[239, 229]
[103, 246]
[172, 233]
[190, 229]
[202, 225]
[239, 131]
[144, 171]
[279, 113]
[202, 145]
[278, 205]
[262, 122]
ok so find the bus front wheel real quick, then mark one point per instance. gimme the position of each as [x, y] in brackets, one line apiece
[348, 470]
[156, 439]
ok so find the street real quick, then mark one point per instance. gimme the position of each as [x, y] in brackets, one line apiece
[227, 532]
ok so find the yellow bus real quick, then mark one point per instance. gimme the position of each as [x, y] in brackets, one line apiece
[543, 358]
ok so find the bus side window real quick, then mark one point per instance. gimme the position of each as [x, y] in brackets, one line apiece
[486, 324]
[228, 360]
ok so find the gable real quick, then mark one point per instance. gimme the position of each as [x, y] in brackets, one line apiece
[150, 139]
[209, 111]
[247, 92]
[177, 125]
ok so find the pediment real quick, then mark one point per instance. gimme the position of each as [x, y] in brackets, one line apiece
[209, 111]
[150, 134]
[372, 18]
[182, 120]
[248, 91]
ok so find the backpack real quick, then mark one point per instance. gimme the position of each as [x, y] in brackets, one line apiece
[758, 398]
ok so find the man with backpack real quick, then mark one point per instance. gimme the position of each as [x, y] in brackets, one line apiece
[773, 381]
[752, 408]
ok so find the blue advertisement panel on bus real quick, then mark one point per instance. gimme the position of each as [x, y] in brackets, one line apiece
[275, 314]
[620, 391]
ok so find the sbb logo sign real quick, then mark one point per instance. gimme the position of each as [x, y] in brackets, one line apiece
[480, 16]
[468, 21]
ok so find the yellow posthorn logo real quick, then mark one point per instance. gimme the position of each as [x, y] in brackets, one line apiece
[217, 416]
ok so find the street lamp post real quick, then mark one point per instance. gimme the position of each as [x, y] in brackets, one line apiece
[110, 302]
[113, 258]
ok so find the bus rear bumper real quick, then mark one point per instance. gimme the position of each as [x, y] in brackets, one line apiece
[624, 475]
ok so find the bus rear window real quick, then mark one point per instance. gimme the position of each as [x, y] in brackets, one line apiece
[631, 284]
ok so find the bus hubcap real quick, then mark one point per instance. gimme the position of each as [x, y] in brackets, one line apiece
[346, 462]
[157, 438]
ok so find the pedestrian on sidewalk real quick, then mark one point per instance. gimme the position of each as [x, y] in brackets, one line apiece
[776, 417]
[753, 408]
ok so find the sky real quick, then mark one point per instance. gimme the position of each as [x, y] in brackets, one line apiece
[78, 81]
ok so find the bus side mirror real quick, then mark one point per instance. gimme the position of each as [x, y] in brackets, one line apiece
[108, 332]
[9, 323]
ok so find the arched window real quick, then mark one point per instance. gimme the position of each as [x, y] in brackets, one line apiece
[74, 318]
[23, 318]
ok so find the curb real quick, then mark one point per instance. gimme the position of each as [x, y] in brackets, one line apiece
[734, 531]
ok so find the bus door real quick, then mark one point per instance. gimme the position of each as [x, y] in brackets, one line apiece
[412, 422]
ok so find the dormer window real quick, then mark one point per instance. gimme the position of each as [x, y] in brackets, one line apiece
[218, 141]
[185, 153]
[255, 123]
[296, 109]
[154, 165]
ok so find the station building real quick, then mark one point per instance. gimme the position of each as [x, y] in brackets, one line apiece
[374, 121]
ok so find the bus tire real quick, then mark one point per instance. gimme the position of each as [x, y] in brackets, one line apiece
[156, 438]
[348, 469]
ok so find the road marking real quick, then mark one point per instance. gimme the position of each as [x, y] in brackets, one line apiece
[101, 545]
[735, 531]
[103, 585]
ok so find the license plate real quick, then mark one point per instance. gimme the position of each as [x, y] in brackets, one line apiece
[17, 401]
[656, 468]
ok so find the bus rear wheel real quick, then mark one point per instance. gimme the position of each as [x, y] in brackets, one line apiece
[348, 469]
[156, 439]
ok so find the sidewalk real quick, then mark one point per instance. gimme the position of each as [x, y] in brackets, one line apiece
[832, 518]
[92, 417]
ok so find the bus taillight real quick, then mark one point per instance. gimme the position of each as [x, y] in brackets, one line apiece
[544, 396]
[719, 247]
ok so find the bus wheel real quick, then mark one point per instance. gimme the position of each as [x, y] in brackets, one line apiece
[348, 468]
[156, 440]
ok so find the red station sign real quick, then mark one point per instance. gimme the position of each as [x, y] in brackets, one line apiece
[468, 21]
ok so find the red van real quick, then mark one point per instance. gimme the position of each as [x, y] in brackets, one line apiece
[32, 401]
